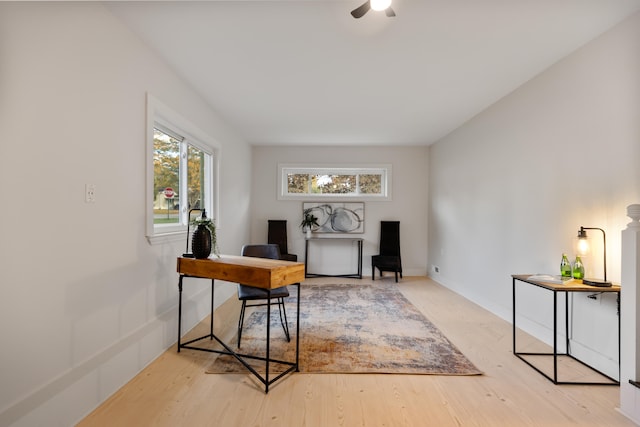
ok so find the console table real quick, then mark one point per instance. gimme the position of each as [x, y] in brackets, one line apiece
[357, 240]
[258, 272]
[565, 288]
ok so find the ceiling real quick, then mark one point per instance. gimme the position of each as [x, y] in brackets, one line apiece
[299, 72]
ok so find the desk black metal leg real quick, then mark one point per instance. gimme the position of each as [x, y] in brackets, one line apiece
[179, 310]
[555, 337]
[242, 358]
[266, 375]
[513, 293]
[212, 305]
[298, 333]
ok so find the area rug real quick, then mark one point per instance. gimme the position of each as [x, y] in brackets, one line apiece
[351, 328]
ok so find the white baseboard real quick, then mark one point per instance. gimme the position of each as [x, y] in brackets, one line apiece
[630, 401]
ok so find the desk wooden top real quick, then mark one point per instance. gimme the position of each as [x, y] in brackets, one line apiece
[259, 272]
[570, 285]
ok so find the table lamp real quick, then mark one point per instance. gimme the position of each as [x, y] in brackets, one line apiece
[583, 246]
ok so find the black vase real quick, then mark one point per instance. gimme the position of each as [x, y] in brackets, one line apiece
[201, 242]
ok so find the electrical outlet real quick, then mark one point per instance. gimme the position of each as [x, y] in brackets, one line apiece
[436, 269]
[90, 193]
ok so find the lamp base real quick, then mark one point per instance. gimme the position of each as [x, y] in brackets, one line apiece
[597, 282]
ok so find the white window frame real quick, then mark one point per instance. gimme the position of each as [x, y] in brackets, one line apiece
[159, 115]
[384, 169]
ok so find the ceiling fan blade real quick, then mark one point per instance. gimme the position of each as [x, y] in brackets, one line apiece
[390, 13]
[359, 11]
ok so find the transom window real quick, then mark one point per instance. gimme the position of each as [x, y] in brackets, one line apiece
[368, 182]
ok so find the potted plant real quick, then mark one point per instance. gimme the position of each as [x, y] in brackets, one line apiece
[308, 220]
[204, 239]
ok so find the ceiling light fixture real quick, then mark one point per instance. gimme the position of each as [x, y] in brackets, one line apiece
[377, 5]
[380, 4]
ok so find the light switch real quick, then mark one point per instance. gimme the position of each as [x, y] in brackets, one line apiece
[90, 193]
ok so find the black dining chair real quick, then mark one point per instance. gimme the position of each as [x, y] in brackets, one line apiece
[389, 257]
[277, 233]
[249, 293]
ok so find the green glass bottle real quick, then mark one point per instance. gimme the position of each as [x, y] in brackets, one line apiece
[578, 269]
[565, 266]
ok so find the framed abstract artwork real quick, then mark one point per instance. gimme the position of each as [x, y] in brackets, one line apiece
[336, 217]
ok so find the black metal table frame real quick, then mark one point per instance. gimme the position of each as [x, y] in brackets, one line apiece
[293, 366]
[555, 354]
[357, 275]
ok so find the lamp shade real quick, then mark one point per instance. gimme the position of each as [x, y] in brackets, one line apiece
[583, 246]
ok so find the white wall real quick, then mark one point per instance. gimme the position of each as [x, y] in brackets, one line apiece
[86, 301]
[510, 188]
[409, 204]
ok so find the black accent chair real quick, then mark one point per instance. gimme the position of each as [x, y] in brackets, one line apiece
[249, 293]
[389, 257]
[277, 233]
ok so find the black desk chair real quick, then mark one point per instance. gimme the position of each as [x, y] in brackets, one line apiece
[389, 257]
[277, 233]
[250, 293]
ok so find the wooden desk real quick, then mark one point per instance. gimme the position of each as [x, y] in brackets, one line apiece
[571, 285]
[258, 272]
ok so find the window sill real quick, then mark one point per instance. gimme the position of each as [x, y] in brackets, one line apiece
[159, 239]
[335, 197]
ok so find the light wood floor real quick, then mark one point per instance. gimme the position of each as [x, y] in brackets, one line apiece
[175, 391]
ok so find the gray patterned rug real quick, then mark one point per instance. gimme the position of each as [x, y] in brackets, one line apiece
[346, 328]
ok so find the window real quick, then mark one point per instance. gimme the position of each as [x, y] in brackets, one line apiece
[361, 182]
[181, 173]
